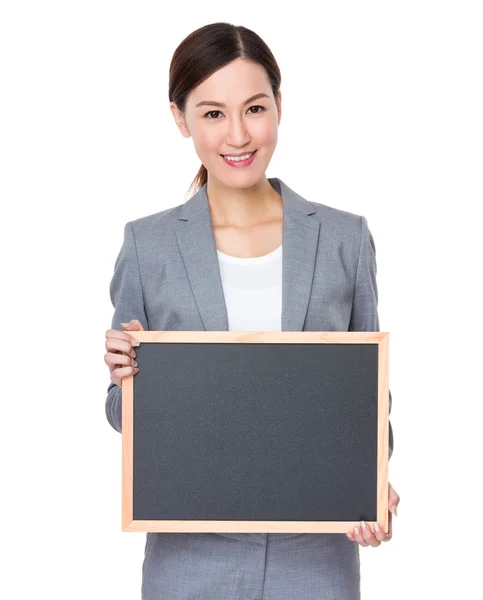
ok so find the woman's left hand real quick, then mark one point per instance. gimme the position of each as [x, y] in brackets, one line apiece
[365, 536]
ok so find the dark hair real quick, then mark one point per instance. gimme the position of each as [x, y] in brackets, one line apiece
[205, 51]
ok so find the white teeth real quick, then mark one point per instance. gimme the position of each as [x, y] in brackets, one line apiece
[238, 158]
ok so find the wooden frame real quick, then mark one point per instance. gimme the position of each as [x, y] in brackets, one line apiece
[283, 337]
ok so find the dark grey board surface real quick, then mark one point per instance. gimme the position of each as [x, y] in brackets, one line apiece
[255, 431]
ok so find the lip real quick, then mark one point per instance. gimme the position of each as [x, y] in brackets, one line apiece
[240, 163]
[239, 154]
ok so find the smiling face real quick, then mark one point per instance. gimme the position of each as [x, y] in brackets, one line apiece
[223, 117]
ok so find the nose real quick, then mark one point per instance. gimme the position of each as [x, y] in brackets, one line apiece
[238, 135]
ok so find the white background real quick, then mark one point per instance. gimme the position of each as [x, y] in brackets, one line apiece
[382, 116]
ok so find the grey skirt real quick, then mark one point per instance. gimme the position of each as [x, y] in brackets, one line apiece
[260, 566]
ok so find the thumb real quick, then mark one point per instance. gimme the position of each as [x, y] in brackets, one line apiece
[133, 325]
[394, 500]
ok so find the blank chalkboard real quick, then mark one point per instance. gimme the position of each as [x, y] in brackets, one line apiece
[256, 432]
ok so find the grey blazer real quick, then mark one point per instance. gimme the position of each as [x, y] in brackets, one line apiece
[167, 276]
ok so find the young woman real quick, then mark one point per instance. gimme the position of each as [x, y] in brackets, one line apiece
[242, 253]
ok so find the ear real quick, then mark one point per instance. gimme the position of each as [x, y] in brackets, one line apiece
[179, 119]
[278, 100]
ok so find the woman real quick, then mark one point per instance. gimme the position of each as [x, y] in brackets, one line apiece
[215, 263]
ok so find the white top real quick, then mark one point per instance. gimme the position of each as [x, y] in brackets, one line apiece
[253, 291]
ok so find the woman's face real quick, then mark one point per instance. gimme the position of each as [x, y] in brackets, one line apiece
[238, 127]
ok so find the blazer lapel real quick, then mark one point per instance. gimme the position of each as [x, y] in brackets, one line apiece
[300, 235]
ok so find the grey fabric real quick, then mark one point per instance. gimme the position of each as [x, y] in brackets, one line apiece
[207, 566]
[167, 276]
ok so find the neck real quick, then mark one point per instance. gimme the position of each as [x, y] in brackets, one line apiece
[242, 207]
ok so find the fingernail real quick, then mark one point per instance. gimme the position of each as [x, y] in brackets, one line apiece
[135, 342]
[394, 510]
[356, 530]
[124, 324]
[134, 363]
[376, 527]
[363, 525]
[349, 535]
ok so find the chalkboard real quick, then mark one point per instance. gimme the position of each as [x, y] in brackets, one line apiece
[256, 432]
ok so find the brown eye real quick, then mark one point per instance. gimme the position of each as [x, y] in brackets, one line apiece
[258, 111]
[212, 112]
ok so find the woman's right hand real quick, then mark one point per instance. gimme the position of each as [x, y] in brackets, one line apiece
[120, 356]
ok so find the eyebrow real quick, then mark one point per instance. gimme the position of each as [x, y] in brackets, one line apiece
[213, 103]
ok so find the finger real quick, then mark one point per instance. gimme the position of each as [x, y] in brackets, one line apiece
[113, 360]
[115, 344]
[124, 372]
[379, 532]
[134, 325]
[368, 535]
[117, 334]
[359, 537]
[388, 535]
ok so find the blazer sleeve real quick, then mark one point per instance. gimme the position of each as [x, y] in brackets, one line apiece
[127, 299]
[364, 316]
